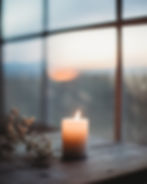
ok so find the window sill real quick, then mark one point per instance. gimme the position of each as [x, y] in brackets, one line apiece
[103, 163]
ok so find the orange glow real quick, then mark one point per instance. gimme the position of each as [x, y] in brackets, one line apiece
[63, 75]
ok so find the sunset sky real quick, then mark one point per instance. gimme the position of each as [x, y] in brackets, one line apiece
[86, 50]
[18, 17]
[83, 50]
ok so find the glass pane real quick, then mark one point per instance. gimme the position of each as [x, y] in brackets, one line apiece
[135, 83]
[134, 8]
[22, 67]
[21, 17]
[67, 13]
[81, 72]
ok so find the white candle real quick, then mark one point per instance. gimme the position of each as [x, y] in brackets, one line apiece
[74, 136]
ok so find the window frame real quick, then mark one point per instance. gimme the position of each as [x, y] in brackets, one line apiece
[118, 24]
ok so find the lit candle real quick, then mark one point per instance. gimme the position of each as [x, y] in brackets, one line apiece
[74, 136]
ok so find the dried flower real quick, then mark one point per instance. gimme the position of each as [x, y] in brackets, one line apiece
[14, 129]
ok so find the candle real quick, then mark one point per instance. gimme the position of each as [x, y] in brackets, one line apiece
[74, 136]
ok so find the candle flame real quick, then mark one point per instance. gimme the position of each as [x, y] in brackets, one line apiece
[77, 115]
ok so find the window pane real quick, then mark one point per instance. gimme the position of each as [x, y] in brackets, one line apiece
[22, 67]
[67, 13]
[21, 17]
[134, 8]
[135, 83]
[81, 72]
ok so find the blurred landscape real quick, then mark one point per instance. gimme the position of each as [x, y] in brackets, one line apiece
[22, 87]
[90, 92]
[93, 92]
[135, 106]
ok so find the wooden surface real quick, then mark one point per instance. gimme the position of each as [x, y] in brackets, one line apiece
[103, 162]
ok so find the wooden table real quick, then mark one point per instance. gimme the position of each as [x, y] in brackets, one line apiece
[103, 163]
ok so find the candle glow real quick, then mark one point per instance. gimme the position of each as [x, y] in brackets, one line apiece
[75, 135]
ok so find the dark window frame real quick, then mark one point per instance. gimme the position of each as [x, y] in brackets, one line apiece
[119, 23]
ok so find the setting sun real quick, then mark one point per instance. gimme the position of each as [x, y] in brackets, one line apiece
[63, 75]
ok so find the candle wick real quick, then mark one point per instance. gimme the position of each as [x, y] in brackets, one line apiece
[77, 115]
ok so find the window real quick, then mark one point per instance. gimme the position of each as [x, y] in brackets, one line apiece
[134, 8]
[22, 17]
[135, 82]
[22, 73]
[71, 13]
[82, 77]
[59, 56]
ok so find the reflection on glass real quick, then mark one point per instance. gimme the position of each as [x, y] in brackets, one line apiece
[135, 82]
[134, 8]
[22, 67]
[67, 13]
[21, 17]
[81, 73]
